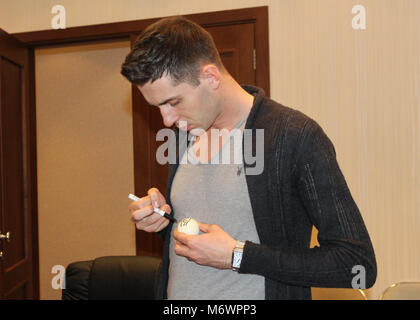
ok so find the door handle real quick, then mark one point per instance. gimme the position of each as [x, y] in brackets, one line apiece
[5, 236]
[1, 255]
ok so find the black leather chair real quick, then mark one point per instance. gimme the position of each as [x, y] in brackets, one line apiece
[112, 278]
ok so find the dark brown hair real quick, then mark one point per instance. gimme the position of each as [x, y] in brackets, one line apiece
[174, 46]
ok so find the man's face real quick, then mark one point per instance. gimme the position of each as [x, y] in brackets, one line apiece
[190, 108]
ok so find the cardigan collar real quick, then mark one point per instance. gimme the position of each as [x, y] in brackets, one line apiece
[259, 95]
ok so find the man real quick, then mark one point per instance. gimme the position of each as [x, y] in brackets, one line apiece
[255, 228]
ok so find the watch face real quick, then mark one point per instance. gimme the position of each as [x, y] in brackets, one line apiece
[237, 257]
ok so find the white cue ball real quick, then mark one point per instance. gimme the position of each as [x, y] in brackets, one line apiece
[188, 226]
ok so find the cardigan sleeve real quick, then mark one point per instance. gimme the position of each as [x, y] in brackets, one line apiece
[342, 235]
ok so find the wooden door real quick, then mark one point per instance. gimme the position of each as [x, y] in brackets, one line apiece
[236, 45]
[16, 245]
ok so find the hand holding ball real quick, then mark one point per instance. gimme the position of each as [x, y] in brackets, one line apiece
[188, 226]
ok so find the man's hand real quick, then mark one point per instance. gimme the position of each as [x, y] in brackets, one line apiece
[142, 211]
[213, 248]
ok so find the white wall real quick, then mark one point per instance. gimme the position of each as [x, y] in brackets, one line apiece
[362, 86]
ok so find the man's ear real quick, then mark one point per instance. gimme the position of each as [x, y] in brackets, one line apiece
[210, 73]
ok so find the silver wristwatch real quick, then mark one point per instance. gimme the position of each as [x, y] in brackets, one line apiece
[237, 255]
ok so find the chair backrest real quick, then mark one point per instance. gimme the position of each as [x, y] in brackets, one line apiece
[402, 291]
[123, 277]
[337, 294]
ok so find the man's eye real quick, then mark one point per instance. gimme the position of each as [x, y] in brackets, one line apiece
[174, 104]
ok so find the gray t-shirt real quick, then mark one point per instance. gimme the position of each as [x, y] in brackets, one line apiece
[213, 194]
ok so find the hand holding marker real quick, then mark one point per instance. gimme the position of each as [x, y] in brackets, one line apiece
[156, 210]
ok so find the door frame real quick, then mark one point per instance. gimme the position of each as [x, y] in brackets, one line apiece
[123, 31]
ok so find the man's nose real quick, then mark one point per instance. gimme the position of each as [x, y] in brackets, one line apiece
[169, 116]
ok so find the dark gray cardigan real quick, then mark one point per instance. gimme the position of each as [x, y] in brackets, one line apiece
[301, 186]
